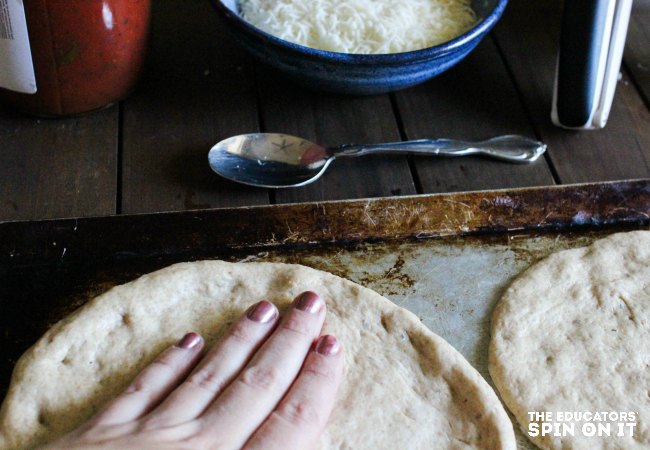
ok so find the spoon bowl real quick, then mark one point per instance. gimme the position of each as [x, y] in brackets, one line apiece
[276, 160]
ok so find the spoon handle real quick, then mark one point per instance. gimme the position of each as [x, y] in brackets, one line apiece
[511, 148]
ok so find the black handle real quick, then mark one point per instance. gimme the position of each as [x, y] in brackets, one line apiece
[583, 27]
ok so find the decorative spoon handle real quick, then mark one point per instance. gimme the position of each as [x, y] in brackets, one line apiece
[511, 148]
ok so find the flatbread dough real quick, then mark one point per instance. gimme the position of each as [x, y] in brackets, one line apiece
[571, 334]
[404, 385]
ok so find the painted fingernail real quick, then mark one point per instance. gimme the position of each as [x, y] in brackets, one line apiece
[190, 340]
[309, 302]
[327, 345]
[262, 312]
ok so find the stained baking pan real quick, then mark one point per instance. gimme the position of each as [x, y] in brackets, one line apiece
[447, 258]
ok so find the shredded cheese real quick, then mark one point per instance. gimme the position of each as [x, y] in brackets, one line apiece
[361, 26]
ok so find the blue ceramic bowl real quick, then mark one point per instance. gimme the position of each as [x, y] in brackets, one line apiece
[355, 73]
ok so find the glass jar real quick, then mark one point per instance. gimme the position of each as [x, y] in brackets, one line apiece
[87, 54]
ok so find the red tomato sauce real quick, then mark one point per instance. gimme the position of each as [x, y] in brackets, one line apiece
[87, 53]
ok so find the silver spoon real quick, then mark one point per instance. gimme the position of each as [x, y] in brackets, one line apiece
[276, 160]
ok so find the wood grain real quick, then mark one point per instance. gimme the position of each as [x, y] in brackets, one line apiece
[331, 119]
[529, 39]
[150, 153]
[54, 168]
[475, 100]
[199, 89]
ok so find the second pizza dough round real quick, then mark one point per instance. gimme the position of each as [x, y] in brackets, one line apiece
[572, 334]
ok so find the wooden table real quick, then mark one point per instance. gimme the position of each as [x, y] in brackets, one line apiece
[149, 153]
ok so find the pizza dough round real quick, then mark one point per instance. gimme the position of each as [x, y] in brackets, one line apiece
[572, 334]
[403, 384]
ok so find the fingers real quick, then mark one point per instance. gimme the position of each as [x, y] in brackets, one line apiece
[154, 382]
[300, 418]
[260, 386]
[218, 368]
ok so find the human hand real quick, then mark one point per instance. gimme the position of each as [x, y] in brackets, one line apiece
[265, 385]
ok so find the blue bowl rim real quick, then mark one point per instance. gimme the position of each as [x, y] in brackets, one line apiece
[476, 32]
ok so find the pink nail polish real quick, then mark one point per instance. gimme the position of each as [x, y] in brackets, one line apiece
[328, 345]
[262, 312]
[190, 340]
[309, 302]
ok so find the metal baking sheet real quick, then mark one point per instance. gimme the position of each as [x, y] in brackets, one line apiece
[451, 284]
[447, 258]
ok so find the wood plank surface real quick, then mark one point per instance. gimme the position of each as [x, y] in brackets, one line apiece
[528, 38]
[149, 154]
[198, 90]
[57, 168]
[637, 48]
[474, 100]
[331, 119]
